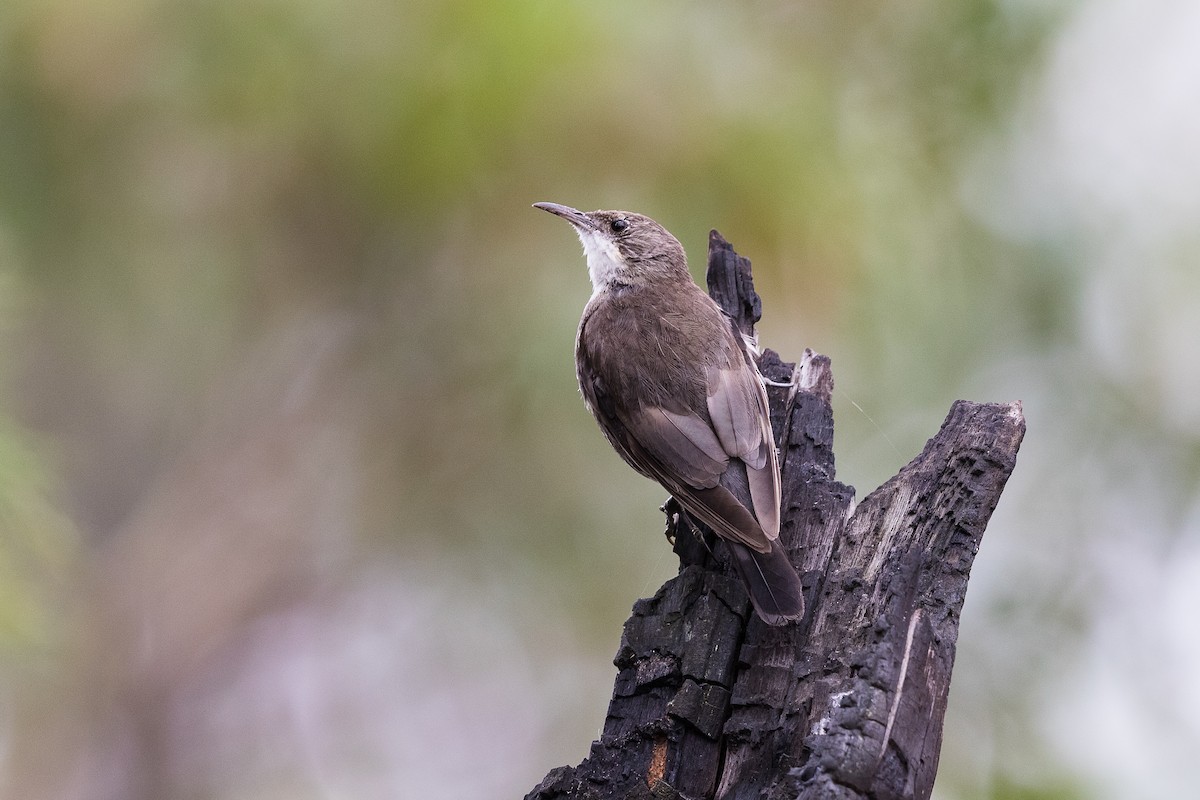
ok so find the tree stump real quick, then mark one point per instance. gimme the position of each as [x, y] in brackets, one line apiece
[848, 704]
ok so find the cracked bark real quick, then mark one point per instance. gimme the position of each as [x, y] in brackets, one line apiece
[709, 702]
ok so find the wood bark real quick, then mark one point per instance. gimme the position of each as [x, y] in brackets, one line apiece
[848, 704]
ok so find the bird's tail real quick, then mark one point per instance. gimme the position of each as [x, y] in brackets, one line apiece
[774, 586]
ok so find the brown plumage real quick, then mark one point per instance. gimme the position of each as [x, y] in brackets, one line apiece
[677, 394]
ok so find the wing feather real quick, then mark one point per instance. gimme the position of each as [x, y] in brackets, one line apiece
[681, 440]
[733, 407]
[764, 478]
[737, 403]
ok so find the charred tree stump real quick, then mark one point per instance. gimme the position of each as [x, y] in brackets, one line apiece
[848, 704]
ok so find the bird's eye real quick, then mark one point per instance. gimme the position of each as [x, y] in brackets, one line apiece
[619, 225]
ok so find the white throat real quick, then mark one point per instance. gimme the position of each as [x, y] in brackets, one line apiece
[604, 259]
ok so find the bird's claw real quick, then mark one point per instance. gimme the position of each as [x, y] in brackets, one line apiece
[672, 511]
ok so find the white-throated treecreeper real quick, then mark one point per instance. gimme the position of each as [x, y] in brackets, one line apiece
[677, 393]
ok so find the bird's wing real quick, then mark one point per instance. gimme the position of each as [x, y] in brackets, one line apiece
[684, 441]
[682, 452]
[737, 404]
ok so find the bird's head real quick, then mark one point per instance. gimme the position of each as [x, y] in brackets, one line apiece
[623, 247]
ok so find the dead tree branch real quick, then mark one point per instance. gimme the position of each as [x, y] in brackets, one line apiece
[848, 704]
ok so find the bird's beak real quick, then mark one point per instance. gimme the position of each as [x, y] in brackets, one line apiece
[571, 215]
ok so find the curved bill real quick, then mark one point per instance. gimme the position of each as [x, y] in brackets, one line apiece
[571, 215]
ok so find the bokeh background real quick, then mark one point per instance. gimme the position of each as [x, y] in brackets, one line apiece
[297, 495]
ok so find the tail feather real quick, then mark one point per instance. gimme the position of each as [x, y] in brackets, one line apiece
[774, 587]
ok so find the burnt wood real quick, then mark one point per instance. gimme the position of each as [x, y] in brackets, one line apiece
[848, 704]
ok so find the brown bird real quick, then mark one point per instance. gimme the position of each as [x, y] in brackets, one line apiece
[676, 392]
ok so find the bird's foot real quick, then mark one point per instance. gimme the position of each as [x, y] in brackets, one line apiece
[674, 514]
[693, 546]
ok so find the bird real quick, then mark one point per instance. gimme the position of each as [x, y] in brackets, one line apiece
[677, 393]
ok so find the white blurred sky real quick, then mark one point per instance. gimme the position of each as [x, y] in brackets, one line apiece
[1103, 156]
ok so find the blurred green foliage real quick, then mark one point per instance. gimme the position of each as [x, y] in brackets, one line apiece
[39, 546]
[278, 319]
